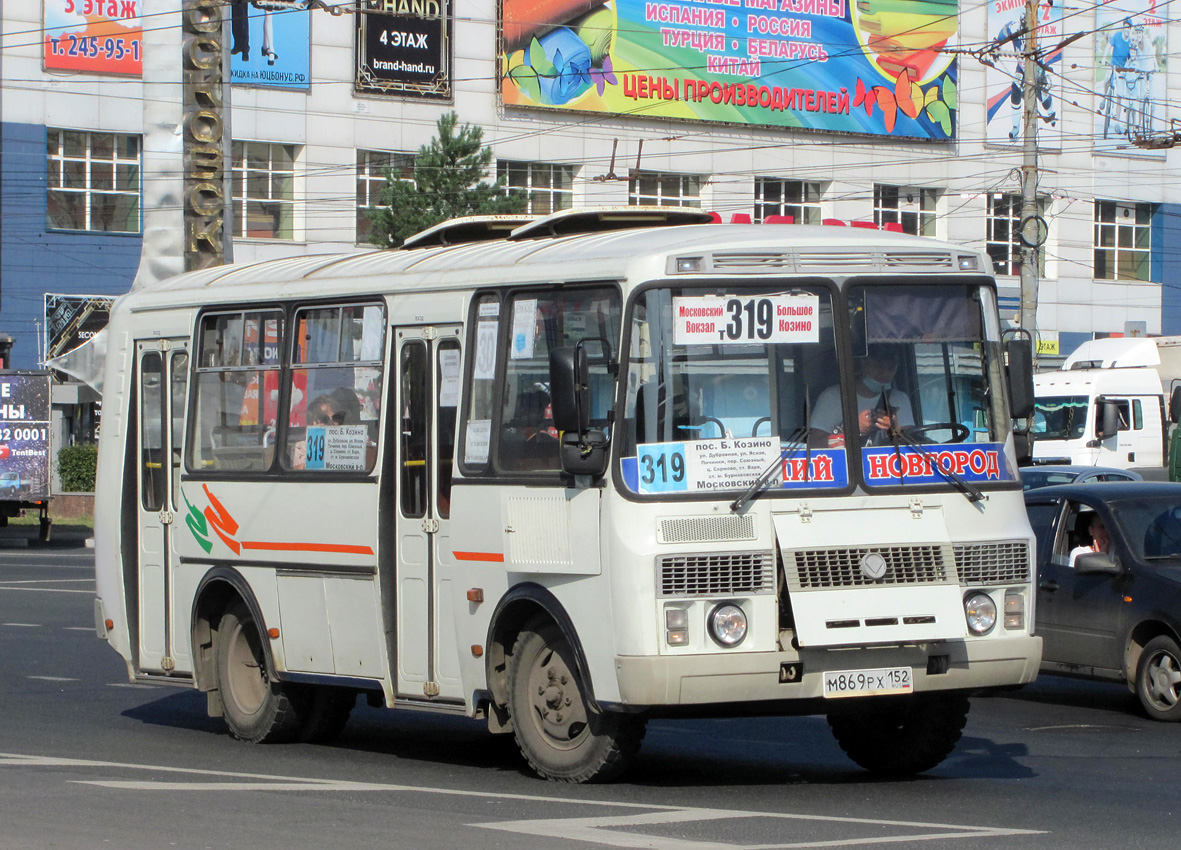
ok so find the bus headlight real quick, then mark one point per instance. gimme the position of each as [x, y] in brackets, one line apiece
[727, 624]
[980, 611]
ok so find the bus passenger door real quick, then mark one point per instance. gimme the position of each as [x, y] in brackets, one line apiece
[428, 361]
[161, 392]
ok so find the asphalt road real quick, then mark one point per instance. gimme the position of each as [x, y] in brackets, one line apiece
[90, 760]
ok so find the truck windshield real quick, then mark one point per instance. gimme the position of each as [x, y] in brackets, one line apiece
[722, 382]
[1060, 417]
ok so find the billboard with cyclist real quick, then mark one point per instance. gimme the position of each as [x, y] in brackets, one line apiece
[1131, 44]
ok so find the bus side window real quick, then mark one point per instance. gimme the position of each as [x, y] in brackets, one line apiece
[236, 391]
[335, 386]
[447, 390]
[414, 424]
[539, 322]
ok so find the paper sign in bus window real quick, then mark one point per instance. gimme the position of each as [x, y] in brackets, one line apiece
[524, 328]
[478, 438]
[704, 465]
[746, 319]
[337, 447]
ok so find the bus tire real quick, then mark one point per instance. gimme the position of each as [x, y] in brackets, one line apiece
[257, 709]
[557, 733]
[326, 714]
[903, 738]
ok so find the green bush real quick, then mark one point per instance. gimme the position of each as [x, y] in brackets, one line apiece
[76, 465]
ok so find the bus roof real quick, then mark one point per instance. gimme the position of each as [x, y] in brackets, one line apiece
[724, 249]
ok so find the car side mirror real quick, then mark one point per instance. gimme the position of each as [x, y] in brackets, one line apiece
[1096, 564]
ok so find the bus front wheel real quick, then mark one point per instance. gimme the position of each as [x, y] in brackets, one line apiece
[557, 733]
[256, 708]
[902, 737]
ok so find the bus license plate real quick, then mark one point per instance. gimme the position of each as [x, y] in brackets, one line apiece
[860, 683]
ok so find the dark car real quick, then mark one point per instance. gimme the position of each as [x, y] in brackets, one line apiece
[1033, 477]
[1113, 615]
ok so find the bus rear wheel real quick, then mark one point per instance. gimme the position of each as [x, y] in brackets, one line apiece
[256, 708]
[904, 736]
[561, 738]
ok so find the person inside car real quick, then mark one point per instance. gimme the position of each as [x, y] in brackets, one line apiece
[1100, 539]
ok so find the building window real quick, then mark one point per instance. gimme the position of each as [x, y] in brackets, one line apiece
[910, 206]
[264, 190]
[1004, 224]
[371, 171]
[549, 186]
[93, 181]
[796, 198]
[1123, 240]
[665, 190]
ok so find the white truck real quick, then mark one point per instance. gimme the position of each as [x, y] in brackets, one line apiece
[1106, 405]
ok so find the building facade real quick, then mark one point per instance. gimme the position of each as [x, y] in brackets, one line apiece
[898, 112]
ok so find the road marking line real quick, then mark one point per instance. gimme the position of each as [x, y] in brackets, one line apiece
[603, 831]
[49, 581]
[47, 589]
[77, 628]
[22, 625]
[131, 685]
[53, 679]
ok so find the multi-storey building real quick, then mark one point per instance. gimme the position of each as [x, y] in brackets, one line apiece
[870, 112]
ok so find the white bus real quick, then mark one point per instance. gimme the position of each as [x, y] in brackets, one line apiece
[571, 474]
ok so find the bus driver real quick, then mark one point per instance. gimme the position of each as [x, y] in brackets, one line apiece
[874, 385]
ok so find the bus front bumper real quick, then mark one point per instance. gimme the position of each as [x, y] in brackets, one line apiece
[766, 676]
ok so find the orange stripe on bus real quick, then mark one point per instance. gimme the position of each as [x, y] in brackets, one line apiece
[479, 556]
[339, 548]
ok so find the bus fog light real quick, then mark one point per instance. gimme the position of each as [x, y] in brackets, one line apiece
[727, 624]
[980, 611]
[677, 637]
[676, 618]
[1014, 609]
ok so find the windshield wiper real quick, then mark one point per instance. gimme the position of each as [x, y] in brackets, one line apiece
[970, 491]
[761, 483]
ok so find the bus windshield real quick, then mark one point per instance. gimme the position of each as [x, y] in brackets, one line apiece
[723, 382]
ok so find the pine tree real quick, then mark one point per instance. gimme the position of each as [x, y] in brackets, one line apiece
[448, 183]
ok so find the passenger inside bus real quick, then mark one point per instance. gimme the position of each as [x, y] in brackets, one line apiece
[875, 392]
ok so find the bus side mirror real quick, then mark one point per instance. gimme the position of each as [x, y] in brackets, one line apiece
[584, 452]
[1106, 420]
[1019, 372]
[1175, 405]
[569, 380]
[1023, 447]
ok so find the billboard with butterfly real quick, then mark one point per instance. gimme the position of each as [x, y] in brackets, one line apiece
[871, 67]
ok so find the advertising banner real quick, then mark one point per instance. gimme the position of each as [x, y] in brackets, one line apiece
[24, 436]
[271, 44]
[1005, 73]
[1131, 43]
[71, 320]
[872, 67]
[404, 48]
[93, 36]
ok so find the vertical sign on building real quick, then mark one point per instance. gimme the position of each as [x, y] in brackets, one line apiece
[404, 48]
[204, 173]
[24, 436]
[93, 36]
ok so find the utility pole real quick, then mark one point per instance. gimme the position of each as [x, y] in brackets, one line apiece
[1031, 222]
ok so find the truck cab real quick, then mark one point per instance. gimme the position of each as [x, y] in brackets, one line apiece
[1104, 407]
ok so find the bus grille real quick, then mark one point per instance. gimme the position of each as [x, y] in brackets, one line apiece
[707, 529]
[821, 568]
[720, 574]
[993, 563]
